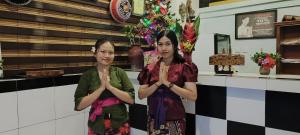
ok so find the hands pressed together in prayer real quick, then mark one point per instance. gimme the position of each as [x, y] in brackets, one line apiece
[163, 75]
[105, 80]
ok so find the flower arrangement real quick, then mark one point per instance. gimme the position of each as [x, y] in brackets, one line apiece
[158, 18]
[265, 60]
[189, 35]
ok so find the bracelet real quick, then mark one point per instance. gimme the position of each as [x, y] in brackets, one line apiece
[171, 85]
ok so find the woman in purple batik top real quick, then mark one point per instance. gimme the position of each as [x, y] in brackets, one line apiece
[164, 83]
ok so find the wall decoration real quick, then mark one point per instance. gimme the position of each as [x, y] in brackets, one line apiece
[223, 59]
[222, 43]
[258, 24]
[222, 2]
[138, 7]
[18, 2]
[120, 10]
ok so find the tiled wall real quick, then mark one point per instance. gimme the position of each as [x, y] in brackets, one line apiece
[43, 111]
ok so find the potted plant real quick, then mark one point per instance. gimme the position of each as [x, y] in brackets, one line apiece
[266, 61]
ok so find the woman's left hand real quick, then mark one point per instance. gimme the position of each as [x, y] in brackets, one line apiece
[164, 74]
[107, 80]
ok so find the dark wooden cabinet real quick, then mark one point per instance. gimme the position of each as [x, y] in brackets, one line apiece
[288, 46]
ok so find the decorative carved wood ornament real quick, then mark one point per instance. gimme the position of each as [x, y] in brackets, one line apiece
[18, 2]
[120, 10]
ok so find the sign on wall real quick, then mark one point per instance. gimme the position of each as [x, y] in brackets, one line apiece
[258, 24]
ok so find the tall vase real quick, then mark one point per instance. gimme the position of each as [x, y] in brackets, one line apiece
[136, 57]
[264, 71]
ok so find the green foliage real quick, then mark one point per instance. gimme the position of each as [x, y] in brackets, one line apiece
[130, 33]
[262, 55]
[197, 25]
[178, 29]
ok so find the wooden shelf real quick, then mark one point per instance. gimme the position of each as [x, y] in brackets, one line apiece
[291, 61]
[287, 23]
[288, 46]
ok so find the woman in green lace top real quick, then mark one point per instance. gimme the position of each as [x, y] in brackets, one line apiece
[106, 89]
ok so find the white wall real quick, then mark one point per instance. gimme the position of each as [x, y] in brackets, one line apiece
[221, 19]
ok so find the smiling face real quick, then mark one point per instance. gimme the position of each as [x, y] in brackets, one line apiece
[165, 48]
[105, 54]
[246, 20]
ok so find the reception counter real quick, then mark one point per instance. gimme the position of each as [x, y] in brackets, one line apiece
[246, 104]
[239, 104]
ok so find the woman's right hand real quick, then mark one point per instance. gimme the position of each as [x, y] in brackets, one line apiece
[163, 74]
[103, 79]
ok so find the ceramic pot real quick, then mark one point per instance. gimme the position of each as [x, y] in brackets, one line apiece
[136, 57]
[264, 71]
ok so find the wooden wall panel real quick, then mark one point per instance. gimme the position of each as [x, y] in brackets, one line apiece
[56, 34]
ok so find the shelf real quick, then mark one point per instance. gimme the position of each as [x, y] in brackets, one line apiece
[291, 41]
[288, 46]
[296, 44]
[291, 61]
[287, 23]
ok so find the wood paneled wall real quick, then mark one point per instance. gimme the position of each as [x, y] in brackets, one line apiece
[58, 34]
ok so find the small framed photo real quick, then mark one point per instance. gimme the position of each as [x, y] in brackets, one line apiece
[222, 45]
[138, 7]
[253, 25]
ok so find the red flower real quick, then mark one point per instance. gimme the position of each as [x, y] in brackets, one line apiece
[164, 11]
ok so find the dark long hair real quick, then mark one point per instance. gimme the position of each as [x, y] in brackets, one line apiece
[177, 58]
[101, 41]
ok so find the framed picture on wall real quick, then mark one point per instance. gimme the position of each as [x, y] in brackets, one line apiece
[138, 7]
[253, 25]
[222, 45]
